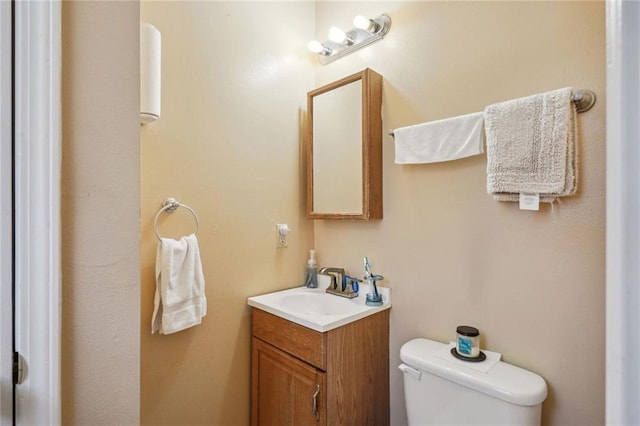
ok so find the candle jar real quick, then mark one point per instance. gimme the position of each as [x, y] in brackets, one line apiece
[468, 341]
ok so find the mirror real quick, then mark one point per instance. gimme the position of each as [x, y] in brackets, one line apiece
[344, 149]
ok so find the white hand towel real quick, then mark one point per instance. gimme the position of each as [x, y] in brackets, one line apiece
[180, 300]
[531, 146]
[441, 140]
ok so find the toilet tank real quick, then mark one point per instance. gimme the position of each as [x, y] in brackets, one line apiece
[447, 392]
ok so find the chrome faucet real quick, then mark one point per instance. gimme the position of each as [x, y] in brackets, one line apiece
[344, 289]
[330, 272]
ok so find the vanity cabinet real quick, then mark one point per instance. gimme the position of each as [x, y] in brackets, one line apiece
[288, 390]
[303, 377]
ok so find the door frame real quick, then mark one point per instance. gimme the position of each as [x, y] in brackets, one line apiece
[37, 208]
[6, 220]
[623, 204]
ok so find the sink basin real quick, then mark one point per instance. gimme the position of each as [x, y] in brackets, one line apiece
[319, 304]
[318, 310]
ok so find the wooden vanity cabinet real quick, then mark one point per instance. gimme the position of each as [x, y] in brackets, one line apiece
[286, 388]
[348, 367]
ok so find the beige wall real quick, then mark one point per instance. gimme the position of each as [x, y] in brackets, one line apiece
[100, 214]
[234, 78]
[533, 282]
[228, 144]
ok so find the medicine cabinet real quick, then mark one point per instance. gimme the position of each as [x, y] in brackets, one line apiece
[344, 148]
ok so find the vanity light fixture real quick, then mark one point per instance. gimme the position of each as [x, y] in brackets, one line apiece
[342, 43]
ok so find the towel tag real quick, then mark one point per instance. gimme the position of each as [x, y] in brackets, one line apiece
[529, 201]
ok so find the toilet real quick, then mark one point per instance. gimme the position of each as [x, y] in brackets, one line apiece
[440, 391]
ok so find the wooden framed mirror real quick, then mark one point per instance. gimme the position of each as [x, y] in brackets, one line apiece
[344, 148]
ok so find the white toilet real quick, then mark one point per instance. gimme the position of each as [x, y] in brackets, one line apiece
[447, 392]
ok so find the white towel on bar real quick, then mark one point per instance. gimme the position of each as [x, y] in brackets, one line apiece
[441, 140]
[531, 146]
[180, 300]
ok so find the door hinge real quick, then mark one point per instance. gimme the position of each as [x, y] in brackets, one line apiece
[19, 365]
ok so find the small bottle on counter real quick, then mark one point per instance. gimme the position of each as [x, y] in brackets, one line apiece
[468, 341]
[311, 274]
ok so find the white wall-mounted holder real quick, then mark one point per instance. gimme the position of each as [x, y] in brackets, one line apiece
[150, 73]
[282, 231]
[342, 43]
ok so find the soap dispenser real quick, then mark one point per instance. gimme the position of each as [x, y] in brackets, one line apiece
[311, 275]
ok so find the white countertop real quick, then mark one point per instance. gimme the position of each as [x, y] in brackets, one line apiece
[318, 310]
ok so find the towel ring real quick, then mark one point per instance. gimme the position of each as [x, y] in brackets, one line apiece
[170, 205]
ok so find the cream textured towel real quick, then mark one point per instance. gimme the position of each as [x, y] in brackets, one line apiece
[441, 140]
[531, 146]
[180, 300]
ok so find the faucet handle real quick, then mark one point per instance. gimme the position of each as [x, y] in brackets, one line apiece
[354, 282]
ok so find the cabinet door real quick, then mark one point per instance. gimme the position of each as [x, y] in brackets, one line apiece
[284, 390]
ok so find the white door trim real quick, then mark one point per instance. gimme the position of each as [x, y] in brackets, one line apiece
[37, 198]
[6, 345]
[623, 205]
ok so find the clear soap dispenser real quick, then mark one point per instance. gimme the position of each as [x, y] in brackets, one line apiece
[311, 274]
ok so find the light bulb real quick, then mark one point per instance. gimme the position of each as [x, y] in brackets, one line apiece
[315, 46]
[365, 23]
[337, 35]
[319, 48]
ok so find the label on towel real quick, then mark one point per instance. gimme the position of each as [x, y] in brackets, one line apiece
[529, 201]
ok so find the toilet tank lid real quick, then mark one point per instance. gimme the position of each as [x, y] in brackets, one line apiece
[504, 381]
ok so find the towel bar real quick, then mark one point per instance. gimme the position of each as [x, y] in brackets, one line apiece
[583, 99]
[170, 205]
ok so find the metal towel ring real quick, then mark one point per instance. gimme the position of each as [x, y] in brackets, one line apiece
[170, 205]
